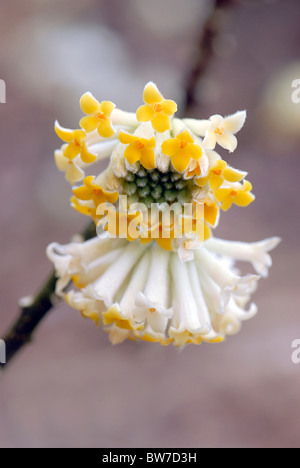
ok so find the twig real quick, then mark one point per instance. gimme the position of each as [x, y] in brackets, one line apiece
[30, 316]
[204, 52]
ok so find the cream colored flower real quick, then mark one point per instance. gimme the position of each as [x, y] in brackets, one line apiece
[143, 292]
[218, 130]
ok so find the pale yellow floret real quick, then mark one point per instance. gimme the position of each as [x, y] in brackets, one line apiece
[139, 149]
[182, 149]
[156, 109]
[240, 196]
[98, 115]
[218, 173]
[76, 145]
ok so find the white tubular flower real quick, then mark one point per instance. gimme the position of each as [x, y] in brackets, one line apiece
[254, 252]
[155, 273]
[219, 130]
[143, 292]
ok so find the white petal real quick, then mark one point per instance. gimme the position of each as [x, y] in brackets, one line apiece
[210, 140]
[234, 123]
[228, 141]
[136, 284]
[254, 252]
[217, 121]
[186, 315]
[218, 272]
[108, 284]
[155, 296]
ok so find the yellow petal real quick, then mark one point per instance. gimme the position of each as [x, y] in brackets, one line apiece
[211, 213]
[82, 193]
[169, 107]
[149, 143]
[185, 136]
[233, 175]
[86, 156]
[79, 136]
[89, 104]
[89, 123]
[220, 165]
[161, 122]
[195, 151]
[132, 154]
[202, 181]
[222, 193]
[72, 150]
[80, 208]
[148, 158]
[145, 113]
[247, 186]
[165, 243]
[111, 197]
[64, 134]
[215, 181]
[107, 107]
[105, 129]
[180, 161]
[170, 146]
[151, 95]
[244, 198]
[89, 182]
[227, 203]
[126, 138]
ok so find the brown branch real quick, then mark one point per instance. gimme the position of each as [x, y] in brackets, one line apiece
[204, 52]
[30, 316]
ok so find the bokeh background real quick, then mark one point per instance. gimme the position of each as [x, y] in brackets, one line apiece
[71, 387]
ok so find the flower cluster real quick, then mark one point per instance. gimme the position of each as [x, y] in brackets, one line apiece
[159, 277]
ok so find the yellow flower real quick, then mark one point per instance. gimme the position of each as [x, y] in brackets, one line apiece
[138, 149]
[156, 109]
[218, 173]
[91, 191]
[240, 195]
[76, 145]
[181, 150]
[98, 115]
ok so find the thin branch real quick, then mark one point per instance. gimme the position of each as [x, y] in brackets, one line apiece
[204, 52]
[30, 316]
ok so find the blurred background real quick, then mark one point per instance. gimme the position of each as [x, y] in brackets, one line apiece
[71, 387]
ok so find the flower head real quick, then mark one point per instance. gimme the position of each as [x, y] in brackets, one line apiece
[155, 272]
[156, 109]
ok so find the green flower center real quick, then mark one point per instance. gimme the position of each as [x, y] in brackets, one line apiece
[156, 187]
